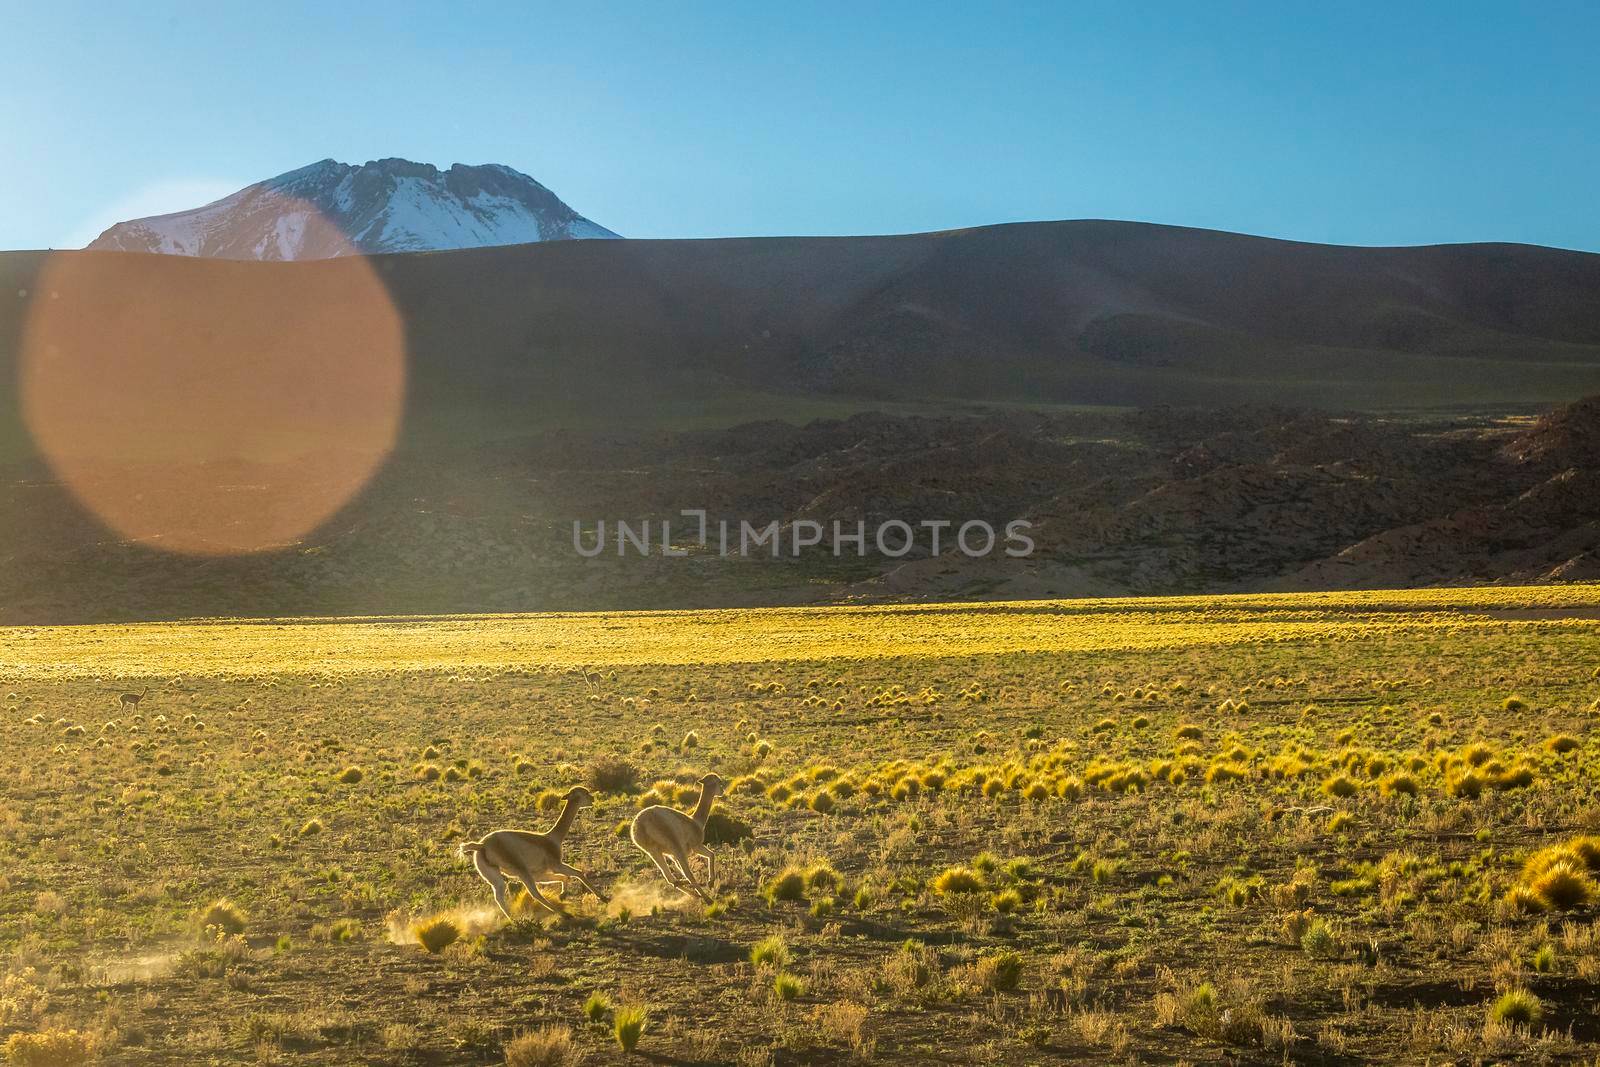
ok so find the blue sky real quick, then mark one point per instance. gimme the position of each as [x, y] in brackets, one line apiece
[1388, 123]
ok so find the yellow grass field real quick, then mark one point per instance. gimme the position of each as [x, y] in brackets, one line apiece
[759, 635]
[1327, 828]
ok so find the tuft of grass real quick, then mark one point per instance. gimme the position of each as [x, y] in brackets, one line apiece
[351, 775]
[1341, 785]
[770, 952]
[1561, 744]
[822, 878]
[958, 880]
[1517, 1008]
[1006, 901]
[628, 1025]
[597, 1007]
[1401, 784]
[437, 933]
[787, 986]
[1562, 886]
[790, 884]
[1000, 972]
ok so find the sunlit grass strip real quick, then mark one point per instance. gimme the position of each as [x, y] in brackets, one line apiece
[457, 642]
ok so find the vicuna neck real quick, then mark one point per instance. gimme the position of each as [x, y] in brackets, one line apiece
[702, 809]
[569, 811]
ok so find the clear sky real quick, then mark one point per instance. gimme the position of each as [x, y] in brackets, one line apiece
[1381, 123]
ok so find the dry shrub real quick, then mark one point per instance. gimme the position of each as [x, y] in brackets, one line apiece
[843, 1022]
[51, 1048]
[222, 915]
[548, 1046]
[612, 774]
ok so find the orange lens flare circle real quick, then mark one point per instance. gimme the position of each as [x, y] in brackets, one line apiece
[213, 407]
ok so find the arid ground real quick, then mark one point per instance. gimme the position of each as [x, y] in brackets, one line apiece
[1327, 828]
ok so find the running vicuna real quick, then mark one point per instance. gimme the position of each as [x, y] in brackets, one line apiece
[670, 838]
[532, 859]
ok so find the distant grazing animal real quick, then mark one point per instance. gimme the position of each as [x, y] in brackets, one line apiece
[131, 700]
[532, 859]
[670, 838]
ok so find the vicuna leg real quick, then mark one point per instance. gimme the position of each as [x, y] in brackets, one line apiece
[662, 864]
[573, 872]
[688, 874]
[530, 882]
[496, 880]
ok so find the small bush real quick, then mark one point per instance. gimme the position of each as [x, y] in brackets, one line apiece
[1562, 744]
[787, 986]
[1318, 941]
[725, 829]
[351, 775]
[222, 915]
[436, 934]
[50, 1048]
[612, 775]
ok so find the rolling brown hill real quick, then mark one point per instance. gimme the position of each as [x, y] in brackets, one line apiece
[1071, 312]
[629, 379]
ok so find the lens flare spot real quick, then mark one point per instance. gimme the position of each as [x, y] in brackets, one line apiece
[213, 407]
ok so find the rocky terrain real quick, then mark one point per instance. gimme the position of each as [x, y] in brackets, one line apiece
[1151, 501]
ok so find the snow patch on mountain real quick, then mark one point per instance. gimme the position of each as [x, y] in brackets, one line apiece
[331, 209]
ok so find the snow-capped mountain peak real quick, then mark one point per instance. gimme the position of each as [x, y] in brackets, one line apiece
[333, 209]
